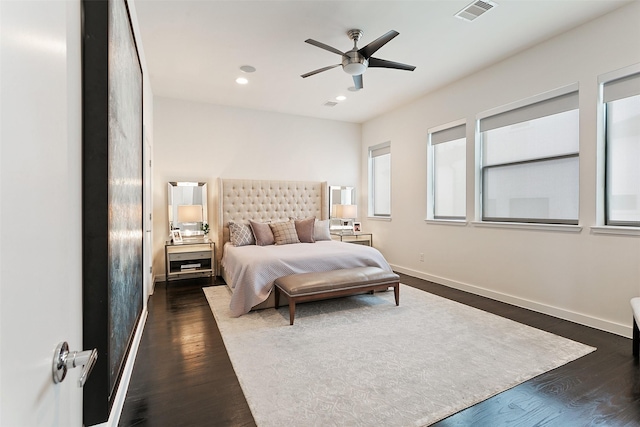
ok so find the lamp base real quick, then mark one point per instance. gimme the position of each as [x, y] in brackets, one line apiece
[341, 224]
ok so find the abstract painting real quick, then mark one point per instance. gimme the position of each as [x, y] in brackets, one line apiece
[112, 197]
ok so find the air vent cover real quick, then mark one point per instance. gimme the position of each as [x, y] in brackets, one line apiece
[475, 9]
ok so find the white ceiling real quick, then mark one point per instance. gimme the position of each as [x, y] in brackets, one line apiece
[194, 49]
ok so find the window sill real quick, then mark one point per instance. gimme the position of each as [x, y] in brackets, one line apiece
[526, 226]
[459, 222]
[620, 231]
[379, 218]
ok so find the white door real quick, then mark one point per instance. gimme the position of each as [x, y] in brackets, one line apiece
[147, 219]
[40, 210]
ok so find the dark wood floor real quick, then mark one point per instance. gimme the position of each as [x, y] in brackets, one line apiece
[183, 376]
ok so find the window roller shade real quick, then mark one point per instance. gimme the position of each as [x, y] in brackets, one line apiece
[380, 150]
[446, 135]
[540, 109]
[622, 88]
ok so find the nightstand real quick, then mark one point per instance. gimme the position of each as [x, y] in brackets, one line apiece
[189, 259]
[357, 237]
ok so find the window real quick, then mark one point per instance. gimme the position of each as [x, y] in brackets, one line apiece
[529, 163]
[447, 175]
[380, 180]
[622, 141]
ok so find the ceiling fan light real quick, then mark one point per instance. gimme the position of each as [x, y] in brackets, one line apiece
[354, 68]
[353, 63]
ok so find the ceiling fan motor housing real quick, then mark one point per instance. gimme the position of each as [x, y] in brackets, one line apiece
[353, 63]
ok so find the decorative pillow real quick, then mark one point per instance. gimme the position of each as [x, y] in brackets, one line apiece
[284, 233]
[304, 229]
[262, 232]
[241, 234]
[321, 230]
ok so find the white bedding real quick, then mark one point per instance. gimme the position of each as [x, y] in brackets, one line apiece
[251, 270]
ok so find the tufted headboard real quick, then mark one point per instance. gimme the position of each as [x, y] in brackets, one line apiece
[242, 199]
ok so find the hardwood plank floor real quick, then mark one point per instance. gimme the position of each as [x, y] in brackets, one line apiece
[183, 376]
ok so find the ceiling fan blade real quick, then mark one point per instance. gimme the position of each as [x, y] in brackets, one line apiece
[319, 70]
[372, 47]
[357, 81]
[324, 46]
[383, 63]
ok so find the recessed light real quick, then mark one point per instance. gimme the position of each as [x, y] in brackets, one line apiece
[353, 89]
[340, 98]
[242, 81]
[248, 68]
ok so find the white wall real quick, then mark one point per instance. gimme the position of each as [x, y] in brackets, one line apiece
[581, 276]
[201, 142]
[147, 119]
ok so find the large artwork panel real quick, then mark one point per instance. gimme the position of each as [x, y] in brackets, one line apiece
[125, 186]
[112, 197]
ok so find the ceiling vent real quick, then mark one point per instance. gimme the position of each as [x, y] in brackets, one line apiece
[330, 104]
[475, 9]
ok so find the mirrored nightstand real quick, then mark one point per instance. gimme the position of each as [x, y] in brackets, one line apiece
[357, 237]
[195, 258]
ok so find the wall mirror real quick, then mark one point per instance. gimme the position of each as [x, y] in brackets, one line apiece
[342, 207]
[187, 208]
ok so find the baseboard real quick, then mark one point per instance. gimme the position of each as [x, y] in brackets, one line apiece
[154, 278]
[121, 394]
[583, 319]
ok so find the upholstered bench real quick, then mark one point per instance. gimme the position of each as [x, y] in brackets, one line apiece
[336, 283]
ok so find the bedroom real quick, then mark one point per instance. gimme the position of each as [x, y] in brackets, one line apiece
[587, 277]
[581, 276]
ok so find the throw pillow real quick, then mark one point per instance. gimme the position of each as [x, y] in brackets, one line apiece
[305, 229]
[321, 230]
[241, 234]
[284, 233]
[262, 232]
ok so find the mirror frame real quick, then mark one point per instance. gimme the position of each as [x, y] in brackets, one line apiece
[172, 209]
[340, 195]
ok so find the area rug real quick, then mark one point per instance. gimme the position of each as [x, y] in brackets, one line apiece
[362, 361]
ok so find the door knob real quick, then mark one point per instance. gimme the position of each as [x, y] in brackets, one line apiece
[63, 360]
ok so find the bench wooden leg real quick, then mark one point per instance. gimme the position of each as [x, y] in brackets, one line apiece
[292, 310]
[276, 297]
[396, 292]
[636, 339]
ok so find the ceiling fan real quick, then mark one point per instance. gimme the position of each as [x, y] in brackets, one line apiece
[356, 61]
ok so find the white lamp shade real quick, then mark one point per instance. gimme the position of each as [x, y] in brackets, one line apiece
[346, 211]
[189, 213]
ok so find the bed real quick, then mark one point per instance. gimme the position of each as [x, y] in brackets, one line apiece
[251, 269]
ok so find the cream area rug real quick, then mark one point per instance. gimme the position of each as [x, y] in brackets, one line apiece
[362, 361]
